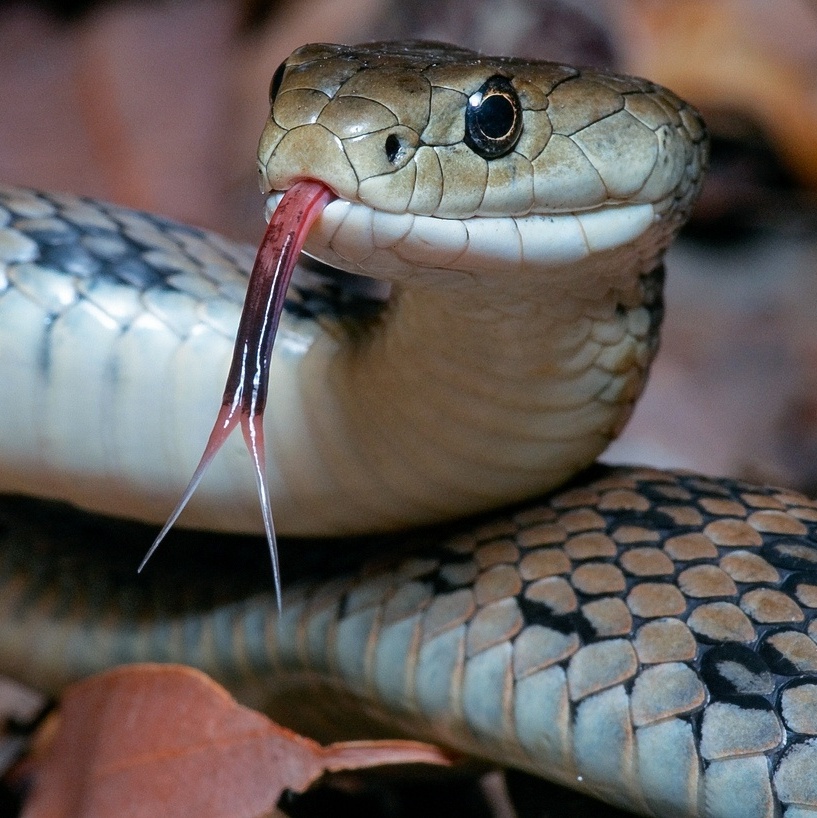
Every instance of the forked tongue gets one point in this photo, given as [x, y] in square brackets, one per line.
[245, 394]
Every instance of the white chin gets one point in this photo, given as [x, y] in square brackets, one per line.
[356, 238]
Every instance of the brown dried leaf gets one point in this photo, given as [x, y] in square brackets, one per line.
[147, 740]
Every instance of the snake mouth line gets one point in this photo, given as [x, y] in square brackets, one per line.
[359, 239]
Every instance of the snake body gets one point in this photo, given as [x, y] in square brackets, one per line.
[644, 636]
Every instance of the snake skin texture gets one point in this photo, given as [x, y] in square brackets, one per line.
[647, 637]
[644, 636]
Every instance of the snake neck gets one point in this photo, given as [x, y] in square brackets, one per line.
[511, 389]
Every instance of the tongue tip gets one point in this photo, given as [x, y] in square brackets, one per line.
[245, 392]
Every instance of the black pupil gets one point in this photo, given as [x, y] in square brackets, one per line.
[495, 116]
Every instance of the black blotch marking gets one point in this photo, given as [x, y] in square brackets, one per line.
[791, 554]
[777, 661]
[651, 518]
[794, 581]
[439, 583]
[136, 273]
[722, 686]
[800, 681]
[748, 702]
[320, 291]
[72, 259]
[537, 613]
[652, 285]
[275, 82]
[703, 488]
[48, 236]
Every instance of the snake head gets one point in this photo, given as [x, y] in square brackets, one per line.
[410, 135]
[430, 162]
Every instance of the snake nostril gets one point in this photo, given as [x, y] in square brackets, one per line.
[394, 148]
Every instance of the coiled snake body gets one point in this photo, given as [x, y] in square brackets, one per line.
[644, 636]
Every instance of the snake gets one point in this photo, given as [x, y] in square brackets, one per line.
[471, 323]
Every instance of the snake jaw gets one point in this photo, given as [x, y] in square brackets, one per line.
[520, 252]
[245, 393]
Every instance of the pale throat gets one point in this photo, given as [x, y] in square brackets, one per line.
[516, 331]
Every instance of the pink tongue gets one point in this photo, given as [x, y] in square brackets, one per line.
[245, 394]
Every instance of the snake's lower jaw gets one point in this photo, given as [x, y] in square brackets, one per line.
[513, 251]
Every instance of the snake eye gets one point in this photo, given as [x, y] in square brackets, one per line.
[275, 82]
[493, 118]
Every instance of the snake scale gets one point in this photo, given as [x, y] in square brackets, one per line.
[644, 636]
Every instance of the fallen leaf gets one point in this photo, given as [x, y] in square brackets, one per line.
[148, 740]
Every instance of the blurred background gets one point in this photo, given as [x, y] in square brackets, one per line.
[158, 105]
